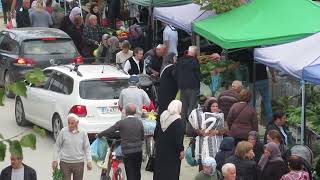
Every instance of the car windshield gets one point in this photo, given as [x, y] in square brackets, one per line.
[49, 47]
[102, 89]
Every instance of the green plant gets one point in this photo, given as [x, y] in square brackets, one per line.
[219, 6]
[57, 174]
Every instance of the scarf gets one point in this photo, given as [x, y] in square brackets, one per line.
[166, 119]
[275, 155]
[74, 12]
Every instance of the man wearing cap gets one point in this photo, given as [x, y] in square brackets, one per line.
[153, 60]
[72, 148]
[209, 171]
[134, 95]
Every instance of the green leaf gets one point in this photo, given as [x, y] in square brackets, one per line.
[29, 141]
[19, 88]
[15, 148]
[39, 131]
[3, 149]
[35, 76]
[2, 96]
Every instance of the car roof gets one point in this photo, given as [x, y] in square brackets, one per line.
[92, 72]
[23, 34]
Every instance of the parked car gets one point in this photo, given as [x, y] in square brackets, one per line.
[22, 49]
[89, 91]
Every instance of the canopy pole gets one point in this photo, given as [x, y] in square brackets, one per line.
[303, 121]
[193, 38]
[80, 6]
[198, 43]
[65, 7]
[254, 84]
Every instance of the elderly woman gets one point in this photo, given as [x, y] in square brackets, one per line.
[271, 163]
[169, 144]
[39, 17]
[253, 138]
[296, 169]
[242, 117]
[92, 34]
[124, 54]
[68, 20]
[209, 171]
[107, 49]
[247, 168]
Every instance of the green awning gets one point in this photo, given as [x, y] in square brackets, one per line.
[160, 3]
[261, 22]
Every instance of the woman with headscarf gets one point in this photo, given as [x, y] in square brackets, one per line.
[169, 144]
[253, 138]
[69, 20]
[39, 17]
[271, 163]
[167, 87]
[226, 150]
[75, 33]
[209, 171]
[94, 10]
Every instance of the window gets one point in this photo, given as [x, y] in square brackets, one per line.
[61, 83]
[44, 47]
[47, 75]
[102, 89]
[8, 44]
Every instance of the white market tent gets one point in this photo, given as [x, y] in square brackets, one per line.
[182, 16]
[300, 59]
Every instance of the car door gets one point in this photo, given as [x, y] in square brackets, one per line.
[31, 102]
[9, 49]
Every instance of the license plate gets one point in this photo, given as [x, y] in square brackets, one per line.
[105, 110]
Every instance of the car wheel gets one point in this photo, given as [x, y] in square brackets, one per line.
[19, 113]
[56, 126]
[7, 82]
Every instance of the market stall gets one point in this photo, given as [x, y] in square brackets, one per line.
[182, 16]
[160, 3]
[300, 59]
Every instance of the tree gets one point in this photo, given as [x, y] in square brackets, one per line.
[219, 6]
[28, 140]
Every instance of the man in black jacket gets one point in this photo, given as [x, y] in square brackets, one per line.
[22, 15]
[153, 60]
[188, 78]
[17, 170]
[132, 136]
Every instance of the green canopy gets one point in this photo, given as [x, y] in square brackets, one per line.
[261, 22]
[160, 3]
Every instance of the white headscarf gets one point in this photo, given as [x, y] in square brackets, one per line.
[171, 114]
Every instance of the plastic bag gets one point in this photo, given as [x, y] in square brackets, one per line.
[205, 90]
[215, 83]
[99, 149]
[189, 156]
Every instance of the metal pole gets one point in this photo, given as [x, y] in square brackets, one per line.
[254, 84]
[65, 7]
[80, 6]
[198, 43]
[303, 121]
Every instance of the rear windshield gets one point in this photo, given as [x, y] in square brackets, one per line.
[49, 47]
[101, 89]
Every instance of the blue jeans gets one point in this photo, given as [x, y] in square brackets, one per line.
[262, 87]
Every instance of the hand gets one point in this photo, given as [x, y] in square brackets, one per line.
[212, 133]
[54, 165]
[215, 57]
[89, 166]
[181, 155]
[96, 43]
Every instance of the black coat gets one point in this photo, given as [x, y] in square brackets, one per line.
[258, 151]
[188, 73]
[246, 169]
[274, 170]
[76, 35]
[29, 173]
[226, 151]
[272, 126]
[22, 18]
[168, 147]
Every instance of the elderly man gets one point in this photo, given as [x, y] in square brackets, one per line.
[135, 64]
[92, 35]
[188, 78]
[153, 60]
[17, 170]
[229, 171]
[132, 136]
[228, 97]
[134, 95]
[73, 149]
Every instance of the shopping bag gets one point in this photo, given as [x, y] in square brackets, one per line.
[151, 161]
[99, 149]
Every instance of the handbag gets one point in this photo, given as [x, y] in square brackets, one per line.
[151, 161]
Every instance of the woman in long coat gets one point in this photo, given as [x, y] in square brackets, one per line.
[168, 86]
[169, 145]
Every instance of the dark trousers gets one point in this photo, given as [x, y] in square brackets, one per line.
[132, 163]
[189, 99]
[5, 10]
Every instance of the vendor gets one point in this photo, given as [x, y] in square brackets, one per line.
[153, 60]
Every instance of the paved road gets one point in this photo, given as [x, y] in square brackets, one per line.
[40, 159]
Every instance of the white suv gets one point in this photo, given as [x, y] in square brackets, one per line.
[90, 91]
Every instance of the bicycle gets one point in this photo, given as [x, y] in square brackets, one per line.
[113, 163]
